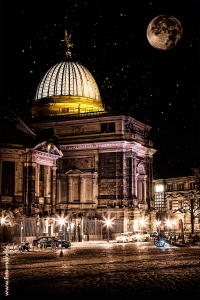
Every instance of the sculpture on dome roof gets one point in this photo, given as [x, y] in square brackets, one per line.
[68, 43]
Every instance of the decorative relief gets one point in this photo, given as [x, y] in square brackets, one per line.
[93, 145]
[77, 129]
[48, 147]
[131, 127]
[79, 163]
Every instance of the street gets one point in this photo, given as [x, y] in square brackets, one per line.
[104, 270]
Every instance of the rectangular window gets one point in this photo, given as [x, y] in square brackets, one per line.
[169, 187]
[159, 202]
[180, 186]
[180, 204]
[107, 127]
[170, 205]
[191, 185]
[8, 177]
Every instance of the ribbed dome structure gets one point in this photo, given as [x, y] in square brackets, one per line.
[67, 88]
[68, 79]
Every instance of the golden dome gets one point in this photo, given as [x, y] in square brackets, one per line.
[67, 88]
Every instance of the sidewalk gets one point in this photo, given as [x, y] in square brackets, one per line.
[87, 243]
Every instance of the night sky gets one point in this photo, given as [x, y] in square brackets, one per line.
[159, 88]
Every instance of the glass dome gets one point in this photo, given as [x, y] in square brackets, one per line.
[68, 79]
[67, 88]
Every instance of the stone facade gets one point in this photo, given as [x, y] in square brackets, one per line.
[106, 167]
[178, 199]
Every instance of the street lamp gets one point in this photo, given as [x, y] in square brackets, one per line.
[158, 223]
[21, 228]
[71, 230]
[142, 223]
[169, 225]
[108, 224]
[38, 226]
[101, 230]
[61, 222]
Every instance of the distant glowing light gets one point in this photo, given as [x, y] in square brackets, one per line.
[159, 188]
[158, 223]
[2, 220]
[168, 223]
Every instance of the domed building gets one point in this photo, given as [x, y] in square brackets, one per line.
[106, 167]
[88, 164]
[67, 88]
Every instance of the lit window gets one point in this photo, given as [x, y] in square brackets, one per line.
[159, 188]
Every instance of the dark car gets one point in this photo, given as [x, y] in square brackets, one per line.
[50, 241]
[153, 234]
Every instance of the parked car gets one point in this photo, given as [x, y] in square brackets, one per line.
[124, 238]
[48, 241]
[141, 236]
[153, 234]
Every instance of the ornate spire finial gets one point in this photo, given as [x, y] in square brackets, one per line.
[68, 43]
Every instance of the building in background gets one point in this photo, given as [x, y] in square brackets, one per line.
[178, 199]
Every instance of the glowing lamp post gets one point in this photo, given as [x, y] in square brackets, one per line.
[61, 222]
[71, 230]
[108, 224]
[158, 223]
[142, 223]
[169, 225]
[21, 228]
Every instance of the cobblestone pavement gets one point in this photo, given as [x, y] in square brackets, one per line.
[101, 270]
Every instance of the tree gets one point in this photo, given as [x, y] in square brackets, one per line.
[191, 205]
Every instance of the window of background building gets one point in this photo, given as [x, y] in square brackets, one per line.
[180, 186]
[170, 205]
[8, 177]
[169, 187]
[159, 202]
[191, 185]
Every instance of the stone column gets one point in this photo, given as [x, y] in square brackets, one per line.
[125, 219]
[37, 176]
[134, 177]
[53, 194]
[124, 175]
[58, 189]
[69, 189]
[139, 188]
[136, 217]
[153, 220]
[82, 189]
[47, 185]
[95, 187]
[145, 188]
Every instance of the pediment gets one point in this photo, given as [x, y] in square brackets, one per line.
[48, 147]
[74, 172]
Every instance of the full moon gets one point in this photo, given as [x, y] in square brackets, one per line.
[164, 32]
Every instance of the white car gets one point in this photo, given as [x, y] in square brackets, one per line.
[141, 236]
[124, 238]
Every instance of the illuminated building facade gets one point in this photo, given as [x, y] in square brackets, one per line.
[83, 161]
[179, 199]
